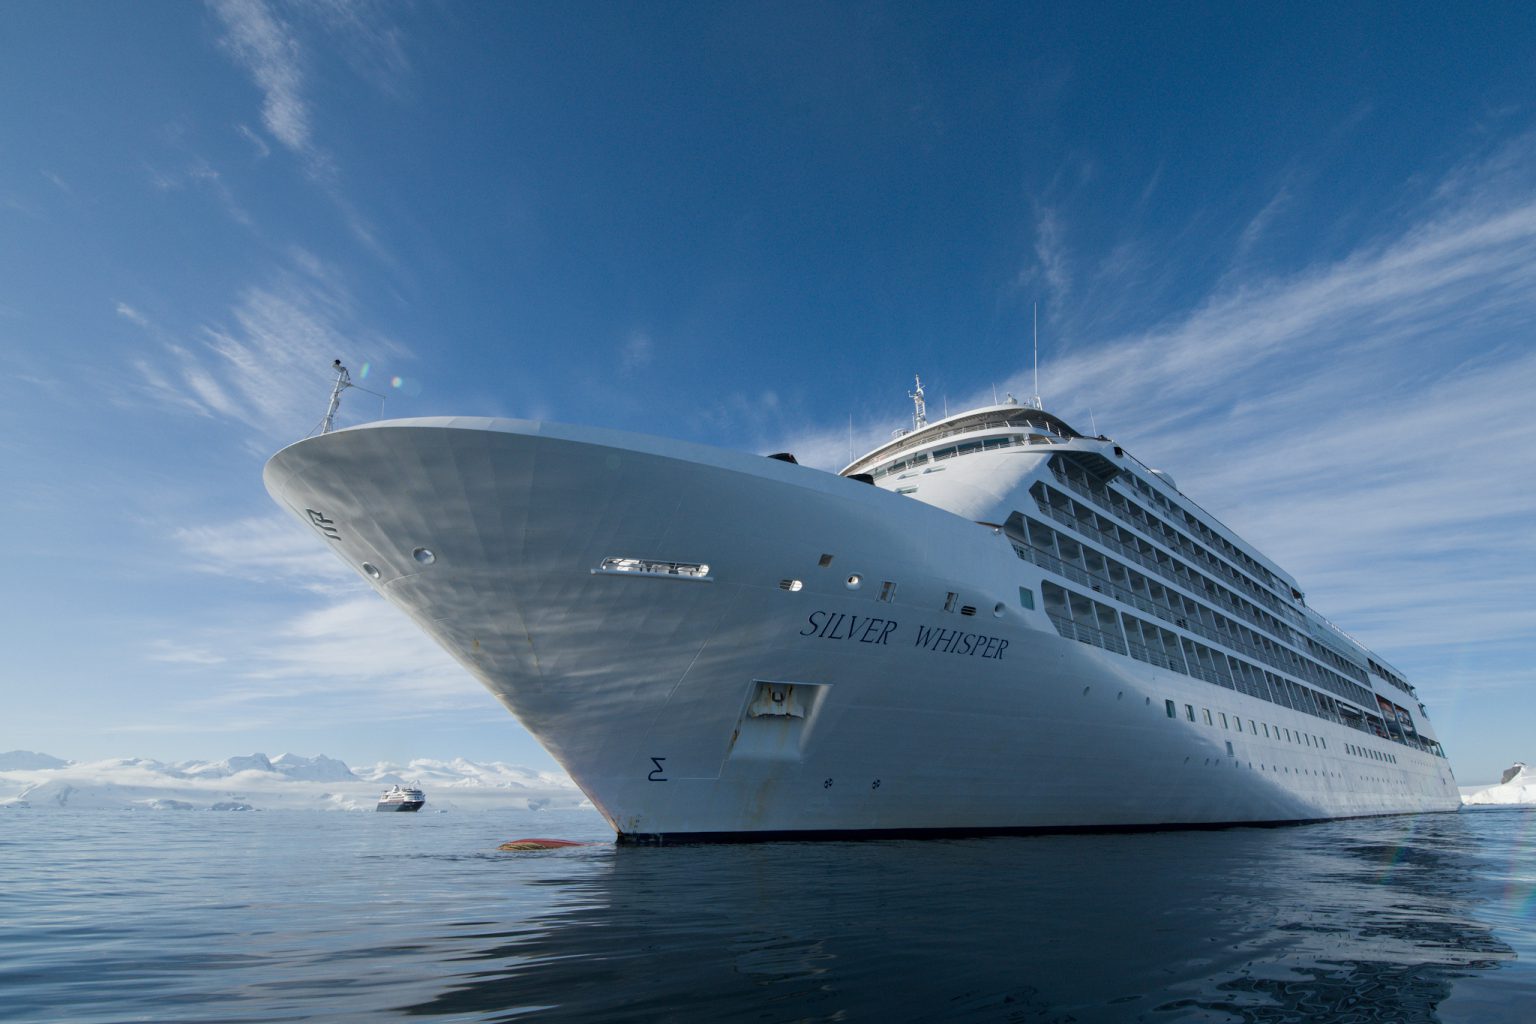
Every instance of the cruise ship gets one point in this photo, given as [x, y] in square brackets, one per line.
[990, 624]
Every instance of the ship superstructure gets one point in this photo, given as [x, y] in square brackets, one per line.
[1131, 565]
[991, 623]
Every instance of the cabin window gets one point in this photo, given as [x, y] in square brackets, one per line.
[1189, 712]
[1229, 748]
[1207, 716]
[1173, 711]
[1027, 598]
[887, 591]
[949, 601]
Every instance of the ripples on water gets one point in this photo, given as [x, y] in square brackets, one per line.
[315, 916]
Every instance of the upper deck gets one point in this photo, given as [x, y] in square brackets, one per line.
[992, 464]
[1009, 419]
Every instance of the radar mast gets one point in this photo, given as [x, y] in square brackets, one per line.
[1038, 404]
[919, 407]
[343, 381]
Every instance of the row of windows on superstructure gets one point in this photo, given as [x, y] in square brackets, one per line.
[1085, 519]
[1094, 622]
[1253, 603]
[1079, 617]
[1277, 733]
[963, 448]
[1378, 755]
[1075, 477]
[1390, 676]
[1081, 563]
[1236, 722]
[1213, 539]
[1164, 525]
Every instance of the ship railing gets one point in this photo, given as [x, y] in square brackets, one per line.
[1088, 634]
[1074, 630]
[1099, 584]
[1141, 652]
[1194, 552]
[1150, 564]
[1306, 670]
[918, 439]
[1210, 675]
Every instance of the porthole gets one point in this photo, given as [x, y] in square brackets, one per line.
[424, 556]
[854, 580]
[371, 569]
[998, 609]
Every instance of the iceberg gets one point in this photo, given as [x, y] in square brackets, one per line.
[1517, 786]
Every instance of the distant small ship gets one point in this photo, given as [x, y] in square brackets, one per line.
[402, 798]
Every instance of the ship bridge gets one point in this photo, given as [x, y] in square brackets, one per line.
[1014, 424]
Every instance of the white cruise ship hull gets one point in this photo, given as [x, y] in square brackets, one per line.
[734, 703]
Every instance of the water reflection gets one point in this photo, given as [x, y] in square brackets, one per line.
[1355, 921]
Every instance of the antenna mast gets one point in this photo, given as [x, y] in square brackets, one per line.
[919, 407]
[343, 381]
[1038, 403]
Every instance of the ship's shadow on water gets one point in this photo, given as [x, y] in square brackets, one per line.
[1351, 921]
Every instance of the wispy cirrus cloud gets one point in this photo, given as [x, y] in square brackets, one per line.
[1052, 263]
[370, 42]
[199, 174]
[132, 315]
[258, 144]
[271, 548]
[261, 42]
[271, 50]
[352, 659]
[266, 366]
[637, 351]
[1367, 422]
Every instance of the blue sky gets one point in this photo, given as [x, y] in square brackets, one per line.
[1286, 253]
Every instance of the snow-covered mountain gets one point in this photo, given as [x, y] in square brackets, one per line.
[1518, 786]
[257, 782]
[26, 760]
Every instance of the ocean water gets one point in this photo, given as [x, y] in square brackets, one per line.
[301, 916]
